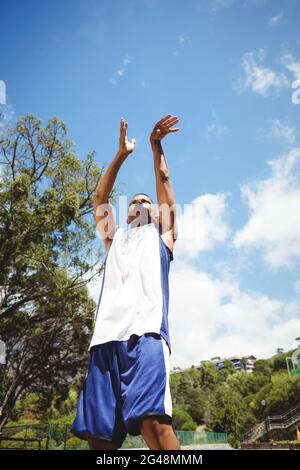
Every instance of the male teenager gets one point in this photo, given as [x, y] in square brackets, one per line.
[126, 388]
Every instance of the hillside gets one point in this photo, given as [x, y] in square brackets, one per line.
[232, 401]
[224, 400]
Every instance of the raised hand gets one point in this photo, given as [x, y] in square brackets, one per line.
[125, 146]
[163, 127]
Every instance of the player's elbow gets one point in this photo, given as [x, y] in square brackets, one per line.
[100, 197]
[164, 174]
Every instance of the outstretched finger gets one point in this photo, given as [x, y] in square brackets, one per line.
[163, 119]
[172, 121]
[123, 127]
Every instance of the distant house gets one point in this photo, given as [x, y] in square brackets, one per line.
[250, 363]
[218, 362]
[237, 362]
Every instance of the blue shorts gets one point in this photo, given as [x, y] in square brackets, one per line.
[125, 381]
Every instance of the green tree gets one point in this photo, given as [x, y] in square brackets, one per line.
[208, 374]
[280, 395]
[279, 361]
[47, 236]
[263, 367]
[247, 384]
[196, 403]
[284, 393]
[182, 421]
[226, 371]
[230, 413]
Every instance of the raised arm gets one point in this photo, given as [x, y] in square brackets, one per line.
[164, 188]
[103, 210]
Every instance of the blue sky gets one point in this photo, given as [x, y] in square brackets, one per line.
[226, 68]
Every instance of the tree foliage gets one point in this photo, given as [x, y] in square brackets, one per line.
[233, 401]
[47, 248]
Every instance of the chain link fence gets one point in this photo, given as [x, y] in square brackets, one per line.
[59, 437]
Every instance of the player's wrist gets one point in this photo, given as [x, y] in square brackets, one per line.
[155, 143]
[122, 155]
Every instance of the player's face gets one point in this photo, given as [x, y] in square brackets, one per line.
[142, 207]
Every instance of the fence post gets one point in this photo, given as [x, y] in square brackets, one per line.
[48, 437]
[26, 427]
[65, 436]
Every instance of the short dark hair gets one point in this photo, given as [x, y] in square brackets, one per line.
[144, 194]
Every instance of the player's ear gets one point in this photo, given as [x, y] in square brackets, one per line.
[155, 220]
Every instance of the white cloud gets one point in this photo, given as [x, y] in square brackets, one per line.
[276, 19]
[212, 317]
[2, 92]
[214, 129]
[182, 40]
[259, 78]
[7, 117]
[126, 60]
[282, 130]
[291, 63]
[297, 287]
[274, 222]
[144, 83]
[201, 225]
[121, 71]
[216, 5]
[7, 114]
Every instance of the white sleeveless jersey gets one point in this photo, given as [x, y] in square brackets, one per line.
[134, 294]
